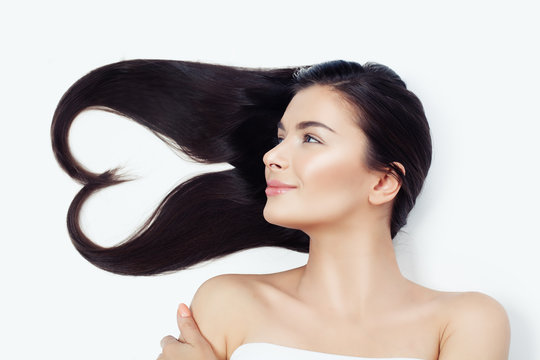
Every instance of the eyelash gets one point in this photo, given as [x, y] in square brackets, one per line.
[311, 137]
[306, 136]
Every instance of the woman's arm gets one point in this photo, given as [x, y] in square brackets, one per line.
[203, 334]
[478, 329]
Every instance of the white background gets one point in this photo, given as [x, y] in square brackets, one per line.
[474, 65]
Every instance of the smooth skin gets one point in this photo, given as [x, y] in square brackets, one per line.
[190, 344]
[350, 298]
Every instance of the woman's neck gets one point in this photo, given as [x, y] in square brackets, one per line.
[351, 272]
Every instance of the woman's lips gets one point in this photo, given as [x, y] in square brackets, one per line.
[271, 190]
[276, 187]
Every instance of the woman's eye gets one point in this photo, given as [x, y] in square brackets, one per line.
[308, 138]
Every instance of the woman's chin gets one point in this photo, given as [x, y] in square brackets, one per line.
[273, 220]
[280, 220]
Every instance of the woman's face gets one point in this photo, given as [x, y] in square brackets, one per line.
[321, 156]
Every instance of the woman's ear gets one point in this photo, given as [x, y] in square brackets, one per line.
[399, 165]
[387, 186]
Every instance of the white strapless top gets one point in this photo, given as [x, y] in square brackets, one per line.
[268, 351]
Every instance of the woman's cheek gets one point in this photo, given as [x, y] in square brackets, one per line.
[326, 173]
[330, 183]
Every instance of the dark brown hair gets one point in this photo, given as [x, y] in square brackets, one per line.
[216, 113]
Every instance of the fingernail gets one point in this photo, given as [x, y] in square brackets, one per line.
[184, 310]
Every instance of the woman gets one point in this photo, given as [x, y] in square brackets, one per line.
[345, 150]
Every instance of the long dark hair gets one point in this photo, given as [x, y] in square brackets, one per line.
[215, 113]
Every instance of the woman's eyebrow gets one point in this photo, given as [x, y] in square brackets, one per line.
[306, 124]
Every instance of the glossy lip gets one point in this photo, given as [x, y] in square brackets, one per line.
[276, 187]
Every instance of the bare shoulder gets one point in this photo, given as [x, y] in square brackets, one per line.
[215, 305]
[476, 327]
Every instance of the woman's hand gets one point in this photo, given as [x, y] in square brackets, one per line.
[191, 345]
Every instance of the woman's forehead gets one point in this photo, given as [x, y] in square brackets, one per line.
[319, 104]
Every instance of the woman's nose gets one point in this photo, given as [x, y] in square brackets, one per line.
[274, 158]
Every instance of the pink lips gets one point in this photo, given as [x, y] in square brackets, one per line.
[276, 187]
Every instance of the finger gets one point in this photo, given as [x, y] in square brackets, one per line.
[167, 340]
[189, 331]
[181, 310]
